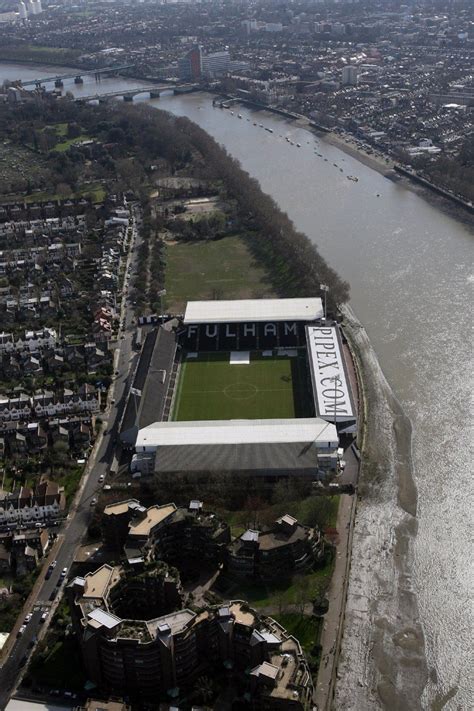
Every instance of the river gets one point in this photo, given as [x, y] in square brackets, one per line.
[410, 269]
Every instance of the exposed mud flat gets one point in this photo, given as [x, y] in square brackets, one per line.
[382, 663]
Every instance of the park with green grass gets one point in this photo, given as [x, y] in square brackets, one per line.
[210, 387]
[213, 269]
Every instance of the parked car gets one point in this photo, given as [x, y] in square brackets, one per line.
[28, 618]
[21, 630]
[44, 617]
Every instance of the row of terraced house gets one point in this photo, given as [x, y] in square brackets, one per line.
[26, 505]
[18, 439]
[46, 403]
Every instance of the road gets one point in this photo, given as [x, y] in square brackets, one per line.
[81, 511]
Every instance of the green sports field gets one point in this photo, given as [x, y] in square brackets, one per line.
[210, 388]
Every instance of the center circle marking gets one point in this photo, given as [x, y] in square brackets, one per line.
[240, 391]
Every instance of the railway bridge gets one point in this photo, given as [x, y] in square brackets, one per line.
[77, 76]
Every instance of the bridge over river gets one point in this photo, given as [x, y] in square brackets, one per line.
[128, 94]
[76, 75]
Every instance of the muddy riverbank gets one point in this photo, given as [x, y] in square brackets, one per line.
[382, 662]
[381, 166]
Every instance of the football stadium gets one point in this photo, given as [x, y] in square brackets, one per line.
[227, 386]
[254, 386]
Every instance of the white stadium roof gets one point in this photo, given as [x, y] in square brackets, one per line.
[252, 310]
[331, 386]
[224, 432]
[23, 705]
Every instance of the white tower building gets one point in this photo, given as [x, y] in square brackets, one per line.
[350, 75]
[22, 11]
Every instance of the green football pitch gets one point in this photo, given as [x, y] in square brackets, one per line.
[210, 388]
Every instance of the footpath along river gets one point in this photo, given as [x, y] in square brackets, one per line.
[409, 265]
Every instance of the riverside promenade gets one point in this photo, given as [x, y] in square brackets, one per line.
[334, 618]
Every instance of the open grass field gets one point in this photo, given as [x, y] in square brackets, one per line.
[218, 269]
[66, 144]
[210, 388]
[314, 510]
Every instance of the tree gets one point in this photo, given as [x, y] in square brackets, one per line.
[318, 511]
[302, 585]
[253, 505]
[281, 601]
[73, 130]
[116, 135]
[63, 190]
[204, 689]
[280, 492]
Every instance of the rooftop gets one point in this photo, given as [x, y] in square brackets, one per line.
[23, 705]
[331, 387]
[97, 583]
[101, 618]
[110, 705]
[154, 516]
[120, 507]
[245, 457]
[176, 622]
[253, 310]
[243, 617]
[224, 432]
[267, 670]
[269, 540]
[156, 359]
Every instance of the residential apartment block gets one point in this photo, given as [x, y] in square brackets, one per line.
[177, 535]
[165, 532]
[282, 549]
[145, 658]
